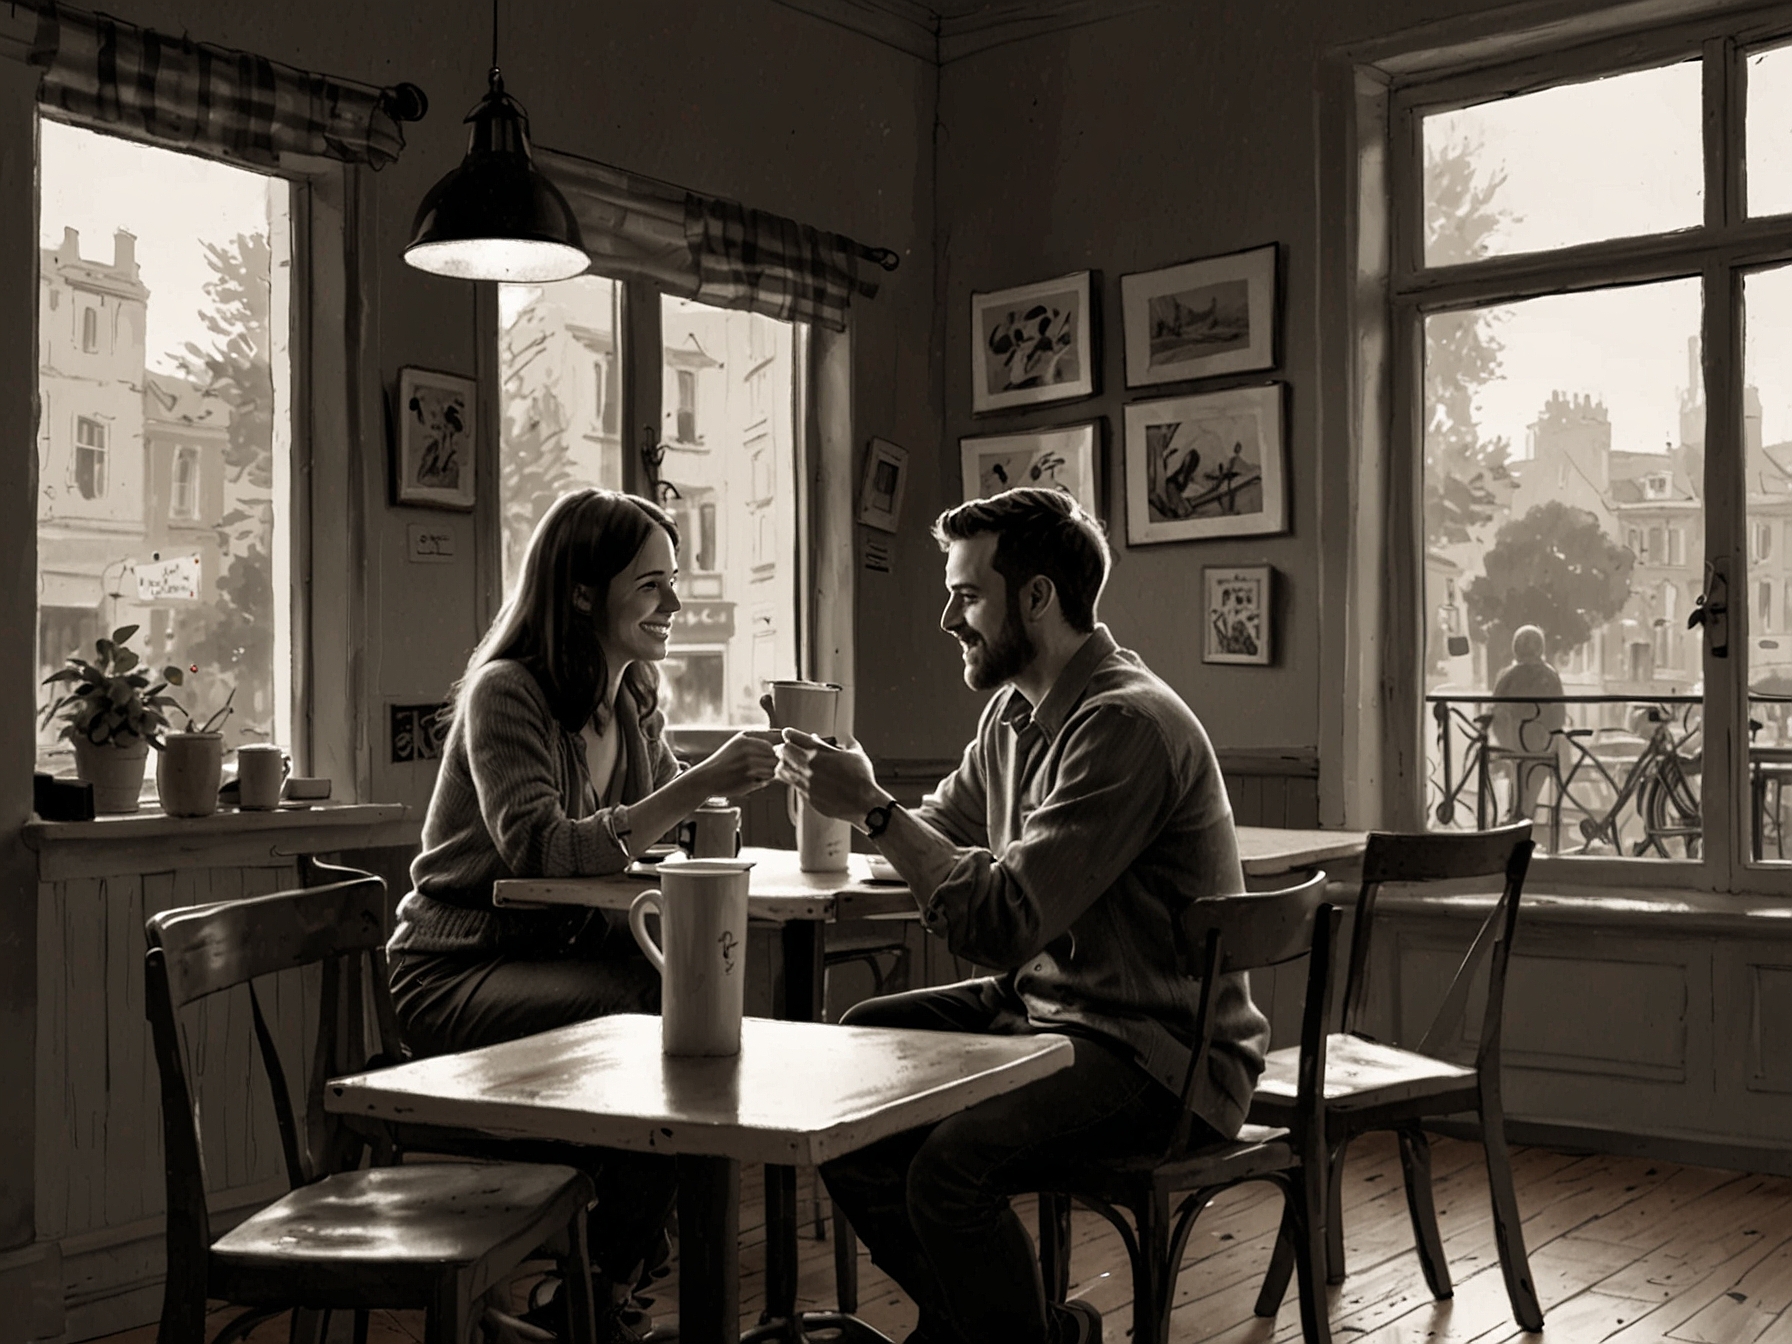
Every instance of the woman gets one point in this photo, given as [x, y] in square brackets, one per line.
[556, 765]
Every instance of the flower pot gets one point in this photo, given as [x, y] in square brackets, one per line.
[188, 769]
[116, 773]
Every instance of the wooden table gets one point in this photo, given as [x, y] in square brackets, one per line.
[1272, 851]
[802, 905]
[798, 1092]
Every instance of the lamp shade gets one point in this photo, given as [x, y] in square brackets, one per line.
[496, 217]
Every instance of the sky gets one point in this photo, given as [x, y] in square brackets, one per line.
[1613, 158]
[99, 184]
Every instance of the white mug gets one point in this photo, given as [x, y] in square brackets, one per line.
[711, 832]
[702, 906]
[822, 843]
[260, 770]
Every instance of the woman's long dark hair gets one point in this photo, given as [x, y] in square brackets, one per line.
[587, 537]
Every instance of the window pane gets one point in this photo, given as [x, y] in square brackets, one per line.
[728, 404]
[1564, 543]
[164, 431]
[1769, 131]
[559, 425]
[1767, 444]
[1613, 158]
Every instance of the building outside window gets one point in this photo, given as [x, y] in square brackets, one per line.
[162, 495]
[1603, 303]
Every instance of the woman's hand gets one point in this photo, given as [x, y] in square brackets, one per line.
[743, 763]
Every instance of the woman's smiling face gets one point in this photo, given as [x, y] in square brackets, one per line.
[640, 604]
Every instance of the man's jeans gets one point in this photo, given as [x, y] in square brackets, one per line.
[932, 1205]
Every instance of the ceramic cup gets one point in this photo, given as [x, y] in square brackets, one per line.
[822, 843]
[702, 953]
[260, 770]
[711, 832]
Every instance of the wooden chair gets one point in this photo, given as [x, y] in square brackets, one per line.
[1370, 1085]
[435, 1236]
[1220, 935]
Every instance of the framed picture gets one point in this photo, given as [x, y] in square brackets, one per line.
[1236, 625]
[1063, 458]
[1032, 344]
[1207, 465]
[436, 415]
[880, 490]
[1200, 318]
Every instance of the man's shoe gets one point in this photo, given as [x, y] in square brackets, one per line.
[1075, 1322]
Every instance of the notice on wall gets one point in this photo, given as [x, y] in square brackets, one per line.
[168, 580]
[429, 543]
[877, 555]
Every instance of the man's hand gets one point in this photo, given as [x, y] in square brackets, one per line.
[836, 781]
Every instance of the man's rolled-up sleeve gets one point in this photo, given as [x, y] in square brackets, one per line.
[1111, 796]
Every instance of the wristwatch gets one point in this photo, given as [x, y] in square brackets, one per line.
[877, 820]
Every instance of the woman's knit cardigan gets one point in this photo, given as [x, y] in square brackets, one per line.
[514, 799]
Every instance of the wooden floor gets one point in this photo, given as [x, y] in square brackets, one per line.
[1624, 1251]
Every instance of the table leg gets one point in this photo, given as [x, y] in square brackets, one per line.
[708, 1249]
[801, 1001]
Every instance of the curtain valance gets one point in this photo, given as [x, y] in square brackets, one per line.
[713, 250]
[193, 95]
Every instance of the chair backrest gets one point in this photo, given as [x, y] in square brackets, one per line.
[1441, 856]
[1222, 935]
[198, 951]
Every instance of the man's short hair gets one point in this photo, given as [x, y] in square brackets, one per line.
[1038, 531]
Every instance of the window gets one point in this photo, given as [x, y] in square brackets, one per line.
[735, 502]
[183, 493]
[1603, 314]
[193, 256]
[90, 458]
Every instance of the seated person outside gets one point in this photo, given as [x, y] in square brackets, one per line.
[1531, 729]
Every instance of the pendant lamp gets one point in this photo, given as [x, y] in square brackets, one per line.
[497, 217]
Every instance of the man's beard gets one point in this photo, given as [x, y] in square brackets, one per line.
[996, 661]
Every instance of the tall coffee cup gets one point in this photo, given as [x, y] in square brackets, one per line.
[260, 770]
[813, 707]
[702, 953]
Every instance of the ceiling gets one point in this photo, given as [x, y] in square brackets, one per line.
[943, 31]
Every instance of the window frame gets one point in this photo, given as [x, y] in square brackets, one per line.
[823, 430]
[1375, 292]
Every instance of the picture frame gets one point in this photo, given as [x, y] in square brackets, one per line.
[1201, 319]
[1064, 456]
[1033, 344]
[882, 485]
[1238, 612]
[1209, 464]
[435, 418]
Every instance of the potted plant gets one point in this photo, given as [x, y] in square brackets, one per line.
[191, 764]
[113, 713]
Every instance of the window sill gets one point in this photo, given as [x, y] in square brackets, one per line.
[149, 841]
[1670, 913]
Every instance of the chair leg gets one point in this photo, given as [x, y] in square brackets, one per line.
[1415, 1166]
[846, 1263]
[1334, 1215]
[575, 1282]
[449, 1319]
[1054, 1246]
[1281, 1264]
[361, 1322]
[1508, 1228]
[1150, 1304]
[309, 1326]
[1315, 1210]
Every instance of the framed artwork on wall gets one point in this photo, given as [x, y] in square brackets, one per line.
[1237, 625]
[435, 417]
[881, 488]
[1205, 465]
[1201, 318]
[1062, 457]
[1033, 344]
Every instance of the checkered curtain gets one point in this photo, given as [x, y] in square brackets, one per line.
[715, 251]
[193, 95]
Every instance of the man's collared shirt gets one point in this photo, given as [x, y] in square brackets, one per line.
[1086, 825]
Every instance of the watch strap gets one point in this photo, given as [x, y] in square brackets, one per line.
[877, 820]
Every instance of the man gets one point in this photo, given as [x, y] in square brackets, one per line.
[1527, 729]
[1084, 816]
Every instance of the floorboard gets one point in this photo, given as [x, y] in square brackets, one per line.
[1623, 1251]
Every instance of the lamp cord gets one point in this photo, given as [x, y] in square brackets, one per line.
[494, 34]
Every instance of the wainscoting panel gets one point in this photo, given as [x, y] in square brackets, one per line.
[1769, 1066]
